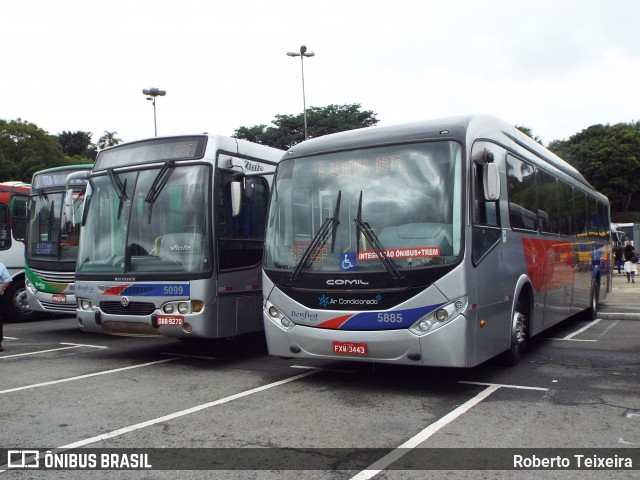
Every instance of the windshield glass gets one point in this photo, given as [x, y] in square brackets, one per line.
[53, 232]
[130, 230]
[401, 202]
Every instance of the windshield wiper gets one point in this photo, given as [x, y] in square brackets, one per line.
[319, 239]
[121, 188]
[158, 184]
[373, 239]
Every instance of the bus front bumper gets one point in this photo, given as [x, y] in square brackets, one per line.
[443, 347]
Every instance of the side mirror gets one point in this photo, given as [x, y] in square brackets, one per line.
[67, 209]
[236, 198]
[491, 182]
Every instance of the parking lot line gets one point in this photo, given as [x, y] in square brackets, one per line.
[88, 375]
[181, 413]
[379, 465]
[583, 329]
[44, 351]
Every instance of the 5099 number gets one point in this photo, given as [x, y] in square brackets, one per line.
[390, 318]
[173, 290]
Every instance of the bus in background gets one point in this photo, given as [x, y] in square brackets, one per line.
[163, 248]
[52, 238]
[13, 224]
[441, 243]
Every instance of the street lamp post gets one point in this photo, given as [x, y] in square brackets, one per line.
[303, 53]
[152, 93]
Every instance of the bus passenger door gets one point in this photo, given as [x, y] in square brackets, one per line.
[488, 274]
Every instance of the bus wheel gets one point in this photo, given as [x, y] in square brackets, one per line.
[594, 304]
[16, 305]
[519, 326]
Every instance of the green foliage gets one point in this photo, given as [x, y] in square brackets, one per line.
[288, 130]
[74, 143]
[109, 139]
[25, 149]
[609, 158]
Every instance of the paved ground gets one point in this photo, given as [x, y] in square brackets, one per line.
[623, 302]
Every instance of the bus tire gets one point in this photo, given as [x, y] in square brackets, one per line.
[594, 300]
[518, 335]
[16, 307]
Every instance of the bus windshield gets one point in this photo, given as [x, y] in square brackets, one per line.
[52, 232]
[136, 224]
[387, 208]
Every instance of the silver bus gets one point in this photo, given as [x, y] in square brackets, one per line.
[441, 243]
[53, 233]
[164, 250]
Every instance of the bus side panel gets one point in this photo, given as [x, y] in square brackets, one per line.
[582, 286]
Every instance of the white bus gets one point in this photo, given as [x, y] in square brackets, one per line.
[52, 238]
[441, 243]
[163, 251]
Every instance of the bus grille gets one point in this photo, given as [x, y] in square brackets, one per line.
[59, 307]
[56, 277]
[134, 308]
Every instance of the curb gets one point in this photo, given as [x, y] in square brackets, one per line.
[618, 316]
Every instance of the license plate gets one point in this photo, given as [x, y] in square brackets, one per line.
[59, 298]
[170, 320]
[350, 348]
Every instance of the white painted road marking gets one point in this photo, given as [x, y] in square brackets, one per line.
[72, 345]
[88, 375]
[378, 466]
[182, 413]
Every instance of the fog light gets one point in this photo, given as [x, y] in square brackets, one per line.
[187, 327]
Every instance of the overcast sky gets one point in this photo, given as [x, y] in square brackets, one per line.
[555, 66]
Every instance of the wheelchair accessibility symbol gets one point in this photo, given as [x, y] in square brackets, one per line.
[348, 261]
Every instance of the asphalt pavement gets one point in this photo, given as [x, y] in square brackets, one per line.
[623, 302]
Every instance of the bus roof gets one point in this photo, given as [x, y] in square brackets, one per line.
[462, 128]
[186, 147]
[15, 187]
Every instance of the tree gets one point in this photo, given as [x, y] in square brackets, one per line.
[109, 139]
[288, 130]
[609, 158]
[74, 143]
[25, 148]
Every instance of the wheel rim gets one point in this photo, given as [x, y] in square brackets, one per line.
[20, 302]
[519, 333]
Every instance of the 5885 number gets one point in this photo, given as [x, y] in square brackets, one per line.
[390, 318]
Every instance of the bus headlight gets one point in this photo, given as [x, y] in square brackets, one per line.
[441, 316]
[168, 308]
[277, 316]
[183, 308]
[31, 287]
[86, 304]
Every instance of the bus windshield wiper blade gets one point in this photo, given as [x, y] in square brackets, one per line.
[373, 239]
[158, 184]
[121, 188]
[319, 239]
